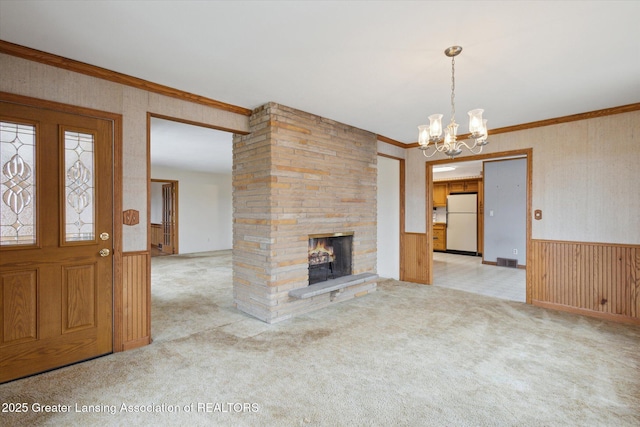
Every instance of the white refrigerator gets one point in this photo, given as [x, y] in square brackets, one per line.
[462, 222]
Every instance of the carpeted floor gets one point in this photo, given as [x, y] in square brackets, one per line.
[406, 355]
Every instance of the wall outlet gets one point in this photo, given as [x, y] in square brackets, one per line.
[515, 252]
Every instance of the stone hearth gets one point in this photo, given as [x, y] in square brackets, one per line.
[297, 175]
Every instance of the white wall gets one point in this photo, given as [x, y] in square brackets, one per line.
[156, 202]
[204, 209]
[415, 192]
[388, 218]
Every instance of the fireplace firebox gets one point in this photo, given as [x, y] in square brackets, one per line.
[330, 256]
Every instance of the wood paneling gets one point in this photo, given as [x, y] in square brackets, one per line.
[414, 258]
[156, 234]
[136, 304]
[18, 303]
[601, 280]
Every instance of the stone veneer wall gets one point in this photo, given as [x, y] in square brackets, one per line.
[297, 174]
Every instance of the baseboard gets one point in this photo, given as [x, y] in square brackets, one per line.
[520, 266]
[455, 252]
[140, 342]
[590, 313]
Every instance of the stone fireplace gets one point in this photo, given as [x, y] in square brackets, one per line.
[329, 256]
[296, 176]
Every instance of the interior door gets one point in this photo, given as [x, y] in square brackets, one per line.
[168, 218]
[56, 228]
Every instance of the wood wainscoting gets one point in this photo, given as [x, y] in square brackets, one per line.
[157, 235]
[414, 264]
[593, 279]
[136, 299]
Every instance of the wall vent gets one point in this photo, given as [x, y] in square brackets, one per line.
[507, 262]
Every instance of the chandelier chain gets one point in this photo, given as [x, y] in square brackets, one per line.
[453, 88]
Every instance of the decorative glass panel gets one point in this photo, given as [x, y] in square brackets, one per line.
[80, 186]
[17, 184]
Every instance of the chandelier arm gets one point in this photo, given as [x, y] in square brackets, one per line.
[424, 152]
[469, 147]
[479, 147]
[439, 145]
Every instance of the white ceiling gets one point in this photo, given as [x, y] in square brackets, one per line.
[183, 146]
[377, 65]
[462, 169]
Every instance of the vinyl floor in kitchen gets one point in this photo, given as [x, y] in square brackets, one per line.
[467, 273]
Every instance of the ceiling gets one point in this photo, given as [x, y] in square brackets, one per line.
[377, 65]
[462, 169]
[195, 148]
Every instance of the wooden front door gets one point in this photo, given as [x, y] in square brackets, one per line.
[56, 234]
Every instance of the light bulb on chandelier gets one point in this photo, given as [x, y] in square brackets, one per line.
[430, 136]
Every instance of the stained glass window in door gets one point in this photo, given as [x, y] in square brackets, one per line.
[79, 186]
[17, 184]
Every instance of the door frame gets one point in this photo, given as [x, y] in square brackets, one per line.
[523, 153]
[116, 120]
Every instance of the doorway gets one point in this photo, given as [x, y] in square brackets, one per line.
[190, 187]
[197, 160]
[57, 238]
[488, 279]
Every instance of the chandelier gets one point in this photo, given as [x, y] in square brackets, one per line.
[430, 136]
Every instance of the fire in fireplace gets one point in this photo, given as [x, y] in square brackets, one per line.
[329, 256]
[321, 253]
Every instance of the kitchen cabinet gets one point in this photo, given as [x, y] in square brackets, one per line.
[471, 186]
[439, 237]
[465, 186]
[440, 193]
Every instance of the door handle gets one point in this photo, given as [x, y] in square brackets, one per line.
[104, 252]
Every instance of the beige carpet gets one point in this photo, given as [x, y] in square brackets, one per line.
[407, 355]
